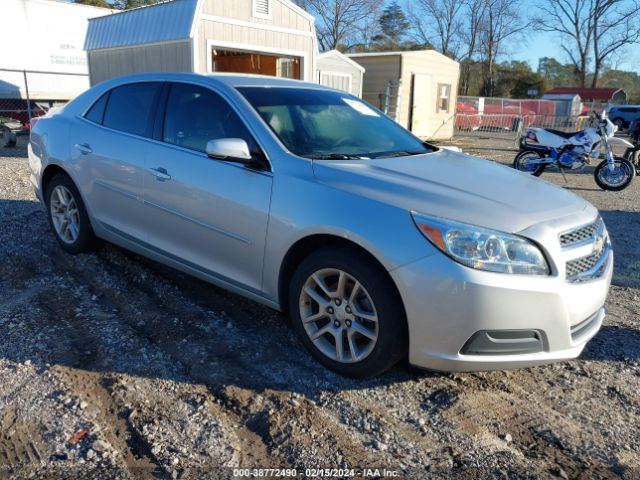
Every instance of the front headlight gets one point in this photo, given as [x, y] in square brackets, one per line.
[481, 248]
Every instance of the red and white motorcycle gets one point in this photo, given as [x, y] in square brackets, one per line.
[542, 147]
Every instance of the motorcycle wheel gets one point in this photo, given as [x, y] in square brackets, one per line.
[522, 162]
[617, 180]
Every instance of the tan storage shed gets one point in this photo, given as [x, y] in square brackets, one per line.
[417, 88]
[338, 71]
[268, 37]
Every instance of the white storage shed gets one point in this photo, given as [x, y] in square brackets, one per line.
[267, 37]
[417, 88]
[338, 71]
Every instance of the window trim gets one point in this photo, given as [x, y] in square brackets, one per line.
[266, 16]
[160, 116]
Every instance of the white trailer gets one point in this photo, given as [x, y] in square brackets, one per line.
[44, 36]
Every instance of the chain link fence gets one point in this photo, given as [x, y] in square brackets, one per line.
[29, 94]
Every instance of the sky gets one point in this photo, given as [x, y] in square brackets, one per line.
[545, 44]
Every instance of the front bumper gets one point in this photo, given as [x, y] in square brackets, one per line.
[447, 303]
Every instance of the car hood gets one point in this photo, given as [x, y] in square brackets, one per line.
[454, 186]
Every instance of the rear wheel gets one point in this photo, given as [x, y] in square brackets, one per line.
[347, 313]
[618, 122]
[528, 161]
[617, 179]
[68, 217]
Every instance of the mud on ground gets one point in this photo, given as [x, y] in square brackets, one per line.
[113, 366]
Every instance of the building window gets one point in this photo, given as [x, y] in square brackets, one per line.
[444, 92]
[262, 8]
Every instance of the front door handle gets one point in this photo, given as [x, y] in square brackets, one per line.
[161, 174]
[84, 148]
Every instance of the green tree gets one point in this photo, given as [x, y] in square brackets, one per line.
[628, 81]
[558, 74]
[516, 80]
[94, 3]
[394, 26]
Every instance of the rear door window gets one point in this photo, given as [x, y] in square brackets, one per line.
[132, 107]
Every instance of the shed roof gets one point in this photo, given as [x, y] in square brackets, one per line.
[587, 93]
[341, 56]
[417, 53]
[161, 22]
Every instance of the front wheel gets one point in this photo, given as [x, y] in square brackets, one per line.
[528, 161]
[616, 180]
[347, 312]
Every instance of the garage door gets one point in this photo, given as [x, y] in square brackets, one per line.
[238, 61]
[339, 81]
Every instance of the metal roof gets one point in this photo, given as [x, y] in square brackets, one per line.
[342, 57]
[161, 22]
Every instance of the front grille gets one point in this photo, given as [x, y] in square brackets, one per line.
[580, 235]
[590, 266]
[582, 265]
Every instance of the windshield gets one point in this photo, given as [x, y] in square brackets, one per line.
[329, 124]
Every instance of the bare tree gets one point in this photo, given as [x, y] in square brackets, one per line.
[444, 18]
[615, 26]
[470, 36]
[340, 23]
[595, 29]
[573, 20]
[502, 21]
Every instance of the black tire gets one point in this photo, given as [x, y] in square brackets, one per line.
[618, 122]
[628, 174]
[392, 337]
[520, 165]
[86, 240]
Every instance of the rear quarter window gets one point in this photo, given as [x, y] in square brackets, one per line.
[96, 112]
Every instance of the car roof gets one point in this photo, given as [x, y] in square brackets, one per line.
[615, 107]
[220, 80]
[230, 79]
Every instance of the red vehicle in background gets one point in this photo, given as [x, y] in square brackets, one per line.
[14, 113]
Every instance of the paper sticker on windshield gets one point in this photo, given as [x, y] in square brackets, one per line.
[360, 107]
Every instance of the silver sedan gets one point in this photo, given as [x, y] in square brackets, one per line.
[311, 201]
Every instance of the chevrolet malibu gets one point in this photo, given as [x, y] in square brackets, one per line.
[313, 202]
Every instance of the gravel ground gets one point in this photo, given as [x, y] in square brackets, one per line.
[113, 366]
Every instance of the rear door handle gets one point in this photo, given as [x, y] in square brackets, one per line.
[84, 148]
[161, 174]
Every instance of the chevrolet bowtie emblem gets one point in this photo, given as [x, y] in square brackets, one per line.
[598, 243]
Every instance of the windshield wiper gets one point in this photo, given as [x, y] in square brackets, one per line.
[401, 154]
[335, 156]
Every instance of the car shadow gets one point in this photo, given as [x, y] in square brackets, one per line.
[614, 343]
[624, 228]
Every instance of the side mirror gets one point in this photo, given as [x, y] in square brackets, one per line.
[230, 149]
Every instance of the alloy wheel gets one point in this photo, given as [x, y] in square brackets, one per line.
[64, 214]
[338, 315]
